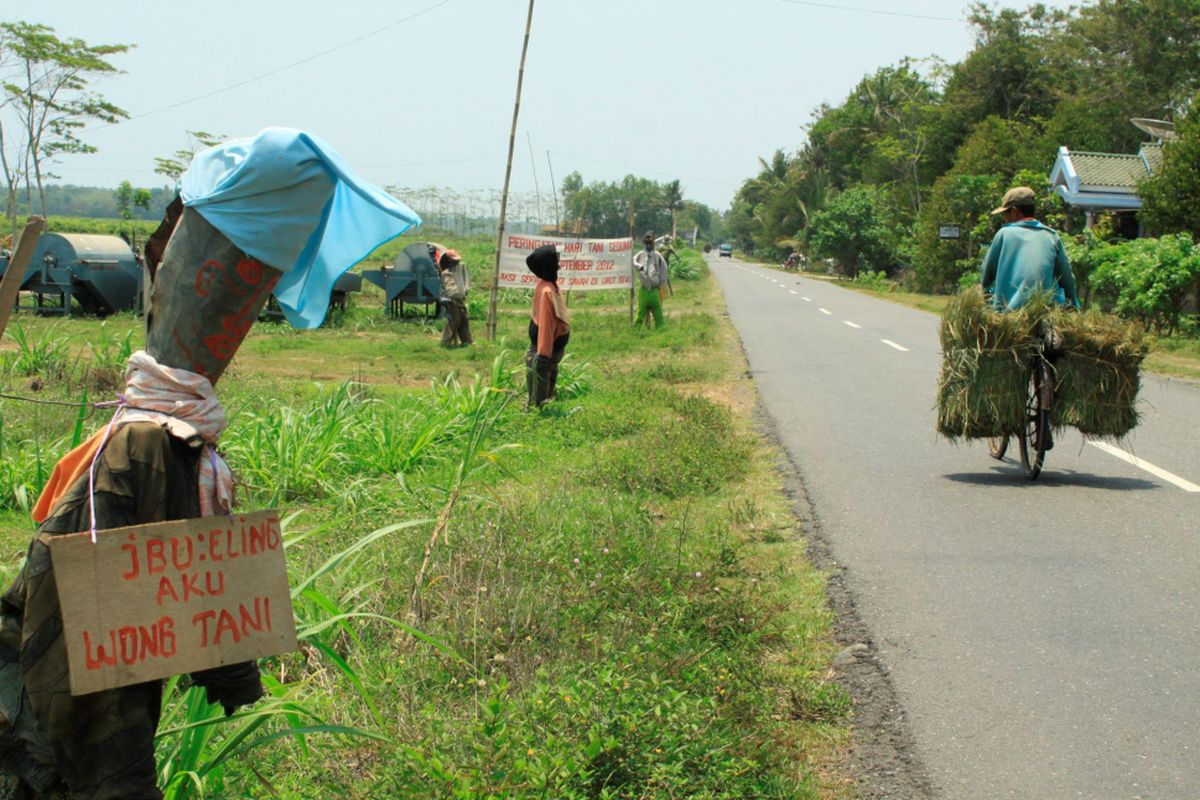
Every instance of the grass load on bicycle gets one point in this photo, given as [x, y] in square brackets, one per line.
[998, 380]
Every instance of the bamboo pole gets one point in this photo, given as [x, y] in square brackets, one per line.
[554, 192]
[14, 274]
[632, 274]
[512, 142]
[537, 191]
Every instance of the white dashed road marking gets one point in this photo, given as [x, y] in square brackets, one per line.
[793, 291]
[826, 311]
[806, 299]
[1158, 472]
[895, 346]
[851, 324]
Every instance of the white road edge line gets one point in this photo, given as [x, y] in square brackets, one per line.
[851, 324]
[826, 311]
[1158, 472]
[892, 344]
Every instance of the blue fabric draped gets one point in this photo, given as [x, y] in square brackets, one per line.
[288, 199]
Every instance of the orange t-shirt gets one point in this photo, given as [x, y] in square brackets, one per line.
[549, 313]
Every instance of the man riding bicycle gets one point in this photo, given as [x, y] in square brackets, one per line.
[1026, 257]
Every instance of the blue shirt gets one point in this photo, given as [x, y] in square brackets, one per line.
[1026, 258]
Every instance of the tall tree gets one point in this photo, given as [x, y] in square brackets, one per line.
[174, 166]
[1171, 199]
[673, 200]
[48, 88]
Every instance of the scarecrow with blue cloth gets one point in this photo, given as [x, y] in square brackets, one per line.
[279, 213]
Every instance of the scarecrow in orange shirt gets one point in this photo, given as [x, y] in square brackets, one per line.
[549, 326]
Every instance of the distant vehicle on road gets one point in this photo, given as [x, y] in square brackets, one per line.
[725, 251]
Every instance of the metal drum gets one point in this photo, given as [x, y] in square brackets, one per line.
[413, 278]
[99, 272]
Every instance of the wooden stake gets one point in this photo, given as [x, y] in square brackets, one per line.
[632, 274]
[14, 275]
[512, 141]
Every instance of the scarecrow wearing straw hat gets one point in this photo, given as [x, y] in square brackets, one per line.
[654, 278]
[1025, 257]
[255, 219]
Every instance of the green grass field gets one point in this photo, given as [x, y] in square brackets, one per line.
[607, 598]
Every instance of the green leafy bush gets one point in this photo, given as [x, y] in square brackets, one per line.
[1146, 279]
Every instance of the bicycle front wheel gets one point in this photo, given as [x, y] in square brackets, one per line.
[1036, 435]
[997, 446]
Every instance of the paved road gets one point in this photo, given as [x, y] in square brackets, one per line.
[1043, 637]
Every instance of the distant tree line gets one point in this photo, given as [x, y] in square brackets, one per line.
[924, 143]
[612, 209]
[69, 200]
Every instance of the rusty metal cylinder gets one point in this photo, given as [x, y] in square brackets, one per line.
[207, 294]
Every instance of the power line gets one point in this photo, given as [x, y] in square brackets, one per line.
[284, 68]
[873, 11]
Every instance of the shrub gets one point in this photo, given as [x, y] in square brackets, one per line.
[1147, 279]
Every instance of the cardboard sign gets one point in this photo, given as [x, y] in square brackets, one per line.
[150, 601]
[583, 264]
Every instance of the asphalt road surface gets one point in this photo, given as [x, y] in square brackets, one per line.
[1042, 636]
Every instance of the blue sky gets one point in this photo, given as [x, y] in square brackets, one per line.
[688, 89]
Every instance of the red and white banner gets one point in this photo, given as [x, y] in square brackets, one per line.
[584, 264]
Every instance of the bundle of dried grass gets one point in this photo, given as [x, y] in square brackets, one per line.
[1097, 379]
[985, 367]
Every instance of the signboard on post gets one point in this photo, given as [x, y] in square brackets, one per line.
[948, 231]
[150, 601]
[584, 264]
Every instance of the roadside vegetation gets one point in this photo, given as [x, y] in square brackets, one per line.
[922, 148]
[606, 598]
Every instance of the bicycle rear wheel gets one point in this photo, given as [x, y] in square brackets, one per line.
[1036, 435]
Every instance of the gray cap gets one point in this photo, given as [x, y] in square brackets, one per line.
[1016, 196]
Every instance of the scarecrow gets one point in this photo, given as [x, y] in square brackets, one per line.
[280, 213]
[549, 326]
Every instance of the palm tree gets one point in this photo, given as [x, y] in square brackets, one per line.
[673, 200]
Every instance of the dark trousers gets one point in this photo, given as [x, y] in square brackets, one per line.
[541, 372]
[458, 324]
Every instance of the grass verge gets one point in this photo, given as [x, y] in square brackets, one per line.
[612, 602]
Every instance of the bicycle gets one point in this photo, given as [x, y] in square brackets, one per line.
[1034, 437]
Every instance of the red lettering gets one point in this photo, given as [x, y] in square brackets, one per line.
[214, 538]
[165, 588]
[101, 658]
[249, 622]
[226, 623]
[219, 589]
[166, 636]
[203, 617]
[273, 534]
[129, 643]
[133, 558]
[175, 553]
[156, 556]
[190, 587]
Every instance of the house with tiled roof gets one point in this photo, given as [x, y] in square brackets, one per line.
[1098, 182]
[1107, 182]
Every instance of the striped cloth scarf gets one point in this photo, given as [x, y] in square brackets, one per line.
[180, 401]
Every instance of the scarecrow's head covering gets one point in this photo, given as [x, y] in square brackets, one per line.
[279, 213]
[543, 262]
